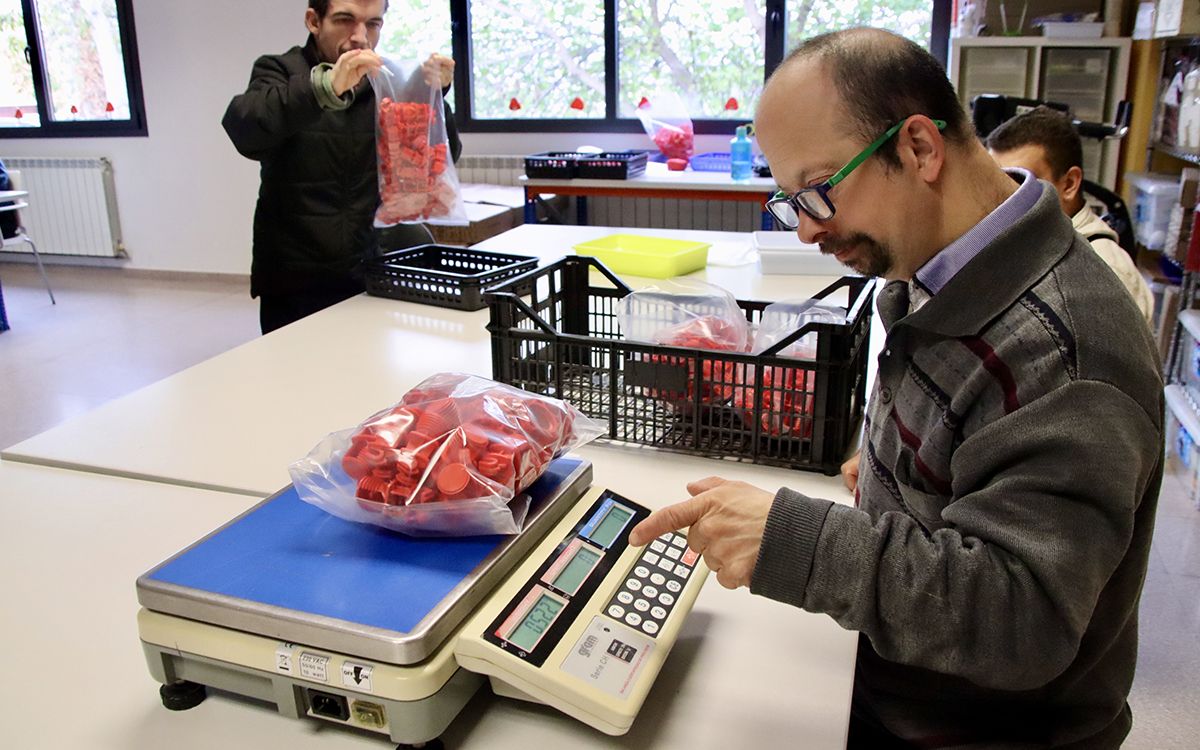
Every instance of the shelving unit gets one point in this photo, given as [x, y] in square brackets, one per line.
[1088, 75]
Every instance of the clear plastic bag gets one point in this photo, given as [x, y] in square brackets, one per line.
[447, 460]
[417, 179]
[788, 393]
[665, 119]
[693, 314]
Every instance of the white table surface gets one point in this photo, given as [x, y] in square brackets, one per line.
[8, 195]
[235, 422]
[746, 672]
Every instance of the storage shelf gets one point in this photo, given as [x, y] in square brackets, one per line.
[1181, 406]
[1190, 320]
[1192, 157]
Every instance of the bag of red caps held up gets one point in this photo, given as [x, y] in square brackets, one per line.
[417, 179]
[447, 460]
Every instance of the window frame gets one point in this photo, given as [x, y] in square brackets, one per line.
[773, 54]
[135, 126]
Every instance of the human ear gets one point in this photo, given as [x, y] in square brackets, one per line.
[311, 21]
[921, 145]
[1071, 183]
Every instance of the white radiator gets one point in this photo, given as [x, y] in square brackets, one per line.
[654, 213]
[72, 206]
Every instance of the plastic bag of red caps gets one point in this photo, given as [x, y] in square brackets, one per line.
[417, 179]
[448, 460]
[665, 119]
[693, 314]
[788, 393]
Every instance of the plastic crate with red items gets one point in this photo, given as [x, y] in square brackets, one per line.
[447, 460]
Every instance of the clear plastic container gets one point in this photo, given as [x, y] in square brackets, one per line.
[1154, 195]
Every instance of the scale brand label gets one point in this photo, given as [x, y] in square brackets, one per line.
[609, 657]
[356, 676]
[314, 667]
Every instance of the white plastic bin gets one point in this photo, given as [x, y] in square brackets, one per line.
[1153, 197]
[784, 253]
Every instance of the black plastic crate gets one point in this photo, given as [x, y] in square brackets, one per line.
[440, 275]
[559, 165]
[612, 165]
[555, 331]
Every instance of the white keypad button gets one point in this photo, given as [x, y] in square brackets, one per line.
[666, 599]
[673, 587]
[650, 626]
[627, 598]
[674, 553]
[680, 570]
[658, 613]
[641, 571]
[657, 546]
[649, 592]
[658, 579]
[633, 618]
[633, 584]
[679, 541]
[665, 537]
[667, 565]
[641, 605]
[651, 558]
[616, 611]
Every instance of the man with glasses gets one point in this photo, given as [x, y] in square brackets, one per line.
[1012, 450]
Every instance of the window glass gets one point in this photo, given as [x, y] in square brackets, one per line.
[16, 85]
[537, 59]
[85, 66]
[709, 53]
[912, 19]
[414, 29]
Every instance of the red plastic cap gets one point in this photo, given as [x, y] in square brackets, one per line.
[677, 165]
[453, 479]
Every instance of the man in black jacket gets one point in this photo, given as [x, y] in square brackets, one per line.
[308, 116]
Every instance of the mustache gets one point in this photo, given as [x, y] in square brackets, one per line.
[832, 246]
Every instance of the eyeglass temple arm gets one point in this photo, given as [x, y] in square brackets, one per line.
[875, 144]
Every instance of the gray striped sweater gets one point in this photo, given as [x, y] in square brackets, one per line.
[1011, 465]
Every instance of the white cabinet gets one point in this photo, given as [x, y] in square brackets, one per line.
[1088, 75]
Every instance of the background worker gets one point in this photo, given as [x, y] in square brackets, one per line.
[1045, 142]
[993, 574]
[308, 116]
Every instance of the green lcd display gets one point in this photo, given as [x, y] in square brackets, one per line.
[526, 634]
[572, 575]
[612, 523]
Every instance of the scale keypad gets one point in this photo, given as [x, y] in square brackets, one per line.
[646, 597]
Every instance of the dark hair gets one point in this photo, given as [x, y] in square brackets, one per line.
[881, 81]
[322, 7]
[1045, 127]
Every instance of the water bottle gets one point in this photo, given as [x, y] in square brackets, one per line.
[740, 155]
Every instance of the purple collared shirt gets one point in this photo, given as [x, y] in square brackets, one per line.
[938, 270]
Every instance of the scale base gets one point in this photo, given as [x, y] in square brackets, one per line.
[417, 723]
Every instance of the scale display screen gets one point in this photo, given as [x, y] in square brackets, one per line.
[610, 524]
[526, 633]
[576, 571]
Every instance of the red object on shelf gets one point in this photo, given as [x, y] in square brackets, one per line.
[577, 103]
[108, 107]
[677, 165]
[643, 103]
[731, 104]
[74, 110]
[676, 141]
[18, 114]
[513, 104]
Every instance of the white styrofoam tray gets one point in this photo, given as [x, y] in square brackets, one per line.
[784, 253]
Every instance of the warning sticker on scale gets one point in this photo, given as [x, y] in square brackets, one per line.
[356, 676]
[283, 658]
[608, 657]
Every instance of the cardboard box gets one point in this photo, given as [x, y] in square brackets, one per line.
[486, 221]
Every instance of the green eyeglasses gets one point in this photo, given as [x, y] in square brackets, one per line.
[814, 200]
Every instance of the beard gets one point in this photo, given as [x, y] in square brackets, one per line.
[870, 258]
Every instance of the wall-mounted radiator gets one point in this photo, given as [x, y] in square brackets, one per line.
[72, 206]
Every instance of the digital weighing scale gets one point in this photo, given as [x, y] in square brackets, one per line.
[363, 627]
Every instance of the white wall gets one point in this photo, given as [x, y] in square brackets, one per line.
[185, 196]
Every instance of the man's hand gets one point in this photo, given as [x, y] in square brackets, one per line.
[350, 68]
[850, 471]
[727, 520]
[438, 70]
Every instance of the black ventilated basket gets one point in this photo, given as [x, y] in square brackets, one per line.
[612, 165]
[561, 165]
[439, 275]
[555, 331]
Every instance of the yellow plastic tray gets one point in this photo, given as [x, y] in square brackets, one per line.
[656, 257]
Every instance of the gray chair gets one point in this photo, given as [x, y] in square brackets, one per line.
[20, 236]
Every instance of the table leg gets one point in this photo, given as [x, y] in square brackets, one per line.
[530, 207]
[581, 212]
